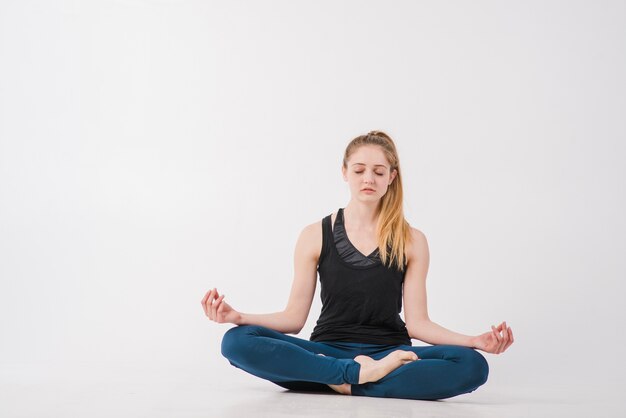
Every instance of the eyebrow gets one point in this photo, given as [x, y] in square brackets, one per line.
[375, 165]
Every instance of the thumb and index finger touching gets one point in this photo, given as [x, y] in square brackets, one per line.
[209, 299]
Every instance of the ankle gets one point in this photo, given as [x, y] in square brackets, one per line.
[344, 389]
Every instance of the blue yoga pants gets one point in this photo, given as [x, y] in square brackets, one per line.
[442, 371]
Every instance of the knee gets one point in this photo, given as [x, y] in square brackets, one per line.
[477, 368]
[235, 340]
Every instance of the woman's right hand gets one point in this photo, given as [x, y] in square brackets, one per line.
[219, 311]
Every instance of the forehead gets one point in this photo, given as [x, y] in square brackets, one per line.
[369, 155]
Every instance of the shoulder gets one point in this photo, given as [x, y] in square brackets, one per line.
[314, 230]
[311, 231]
[417, 247]
[310, 239]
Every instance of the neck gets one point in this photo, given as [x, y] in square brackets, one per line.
[361, 215]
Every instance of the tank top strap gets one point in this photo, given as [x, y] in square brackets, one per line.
[327, 235]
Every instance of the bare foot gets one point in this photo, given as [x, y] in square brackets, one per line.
[344, 389]
[374, 370]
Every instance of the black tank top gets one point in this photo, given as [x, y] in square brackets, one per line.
[361, 297]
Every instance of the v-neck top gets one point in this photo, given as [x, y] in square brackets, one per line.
[347, 250]
[361, 302]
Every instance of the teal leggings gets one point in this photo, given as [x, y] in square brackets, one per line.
[442, 371]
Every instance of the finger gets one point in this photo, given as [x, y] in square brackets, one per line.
[206, 296]
[497, 338]
[219, 315]
[203, 301]
[216, 295]
[215, 306]
[220, 309]
[492, 345]
[209, 301]
[495, 333]
[498, 342]
[206, 302]
[508, 344]
[505, 337]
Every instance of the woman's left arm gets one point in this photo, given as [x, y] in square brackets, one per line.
[419, 325]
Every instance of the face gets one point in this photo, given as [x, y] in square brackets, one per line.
[368, 168]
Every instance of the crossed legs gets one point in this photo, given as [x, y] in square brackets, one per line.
[442, 371]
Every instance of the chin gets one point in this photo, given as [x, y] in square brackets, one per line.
[369, 198]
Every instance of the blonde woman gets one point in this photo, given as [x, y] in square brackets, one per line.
[370, 261]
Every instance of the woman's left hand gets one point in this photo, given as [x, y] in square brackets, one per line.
[493, 342]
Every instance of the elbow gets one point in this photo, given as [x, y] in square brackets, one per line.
[293, 321]
[414, 328]
[298, 328]
[294, 331]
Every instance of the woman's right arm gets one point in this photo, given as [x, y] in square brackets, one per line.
[292, 319]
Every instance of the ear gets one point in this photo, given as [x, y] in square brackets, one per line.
[394, 173]
[343, 172]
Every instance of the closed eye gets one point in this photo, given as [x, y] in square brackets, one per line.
[378, 174]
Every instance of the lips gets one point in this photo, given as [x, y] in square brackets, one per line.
[367, 189]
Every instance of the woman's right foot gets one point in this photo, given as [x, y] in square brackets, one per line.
[374, 370]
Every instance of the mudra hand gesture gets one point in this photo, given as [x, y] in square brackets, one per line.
[217, 310]
[492, 341]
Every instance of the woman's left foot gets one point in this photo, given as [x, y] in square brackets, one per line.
[344, 389]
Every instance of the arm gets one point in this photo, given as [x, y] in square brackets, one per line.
[417, 321]
[293, 317]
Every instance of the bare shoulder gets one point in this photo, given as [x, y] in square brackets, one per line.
[311, 231]
[417, 247]
[311, 237]
[310, 241]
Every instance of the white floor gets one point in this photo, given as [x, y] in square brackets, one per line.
[102, 390]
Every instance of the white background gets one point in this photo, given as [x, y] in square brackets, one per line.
[151, 150]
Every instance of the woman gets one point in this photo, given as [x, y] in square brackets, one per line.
[369, 260]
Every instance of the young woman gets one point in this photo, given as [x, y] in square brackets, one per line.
[369, 260]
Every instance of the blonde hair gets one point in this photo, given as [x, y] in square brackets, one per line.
[392, 230]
